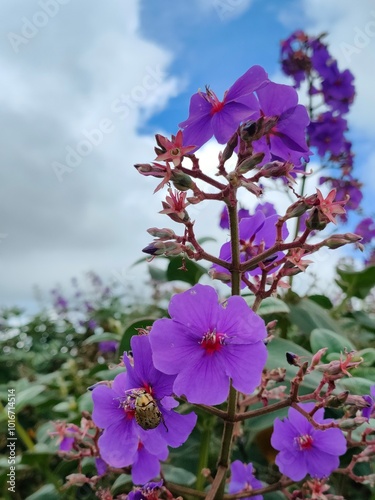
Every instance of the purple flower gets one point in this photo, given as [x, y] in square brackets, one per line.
[370, 398]
[101, 466]
[305, 450]
[294, 60]
[148, 491]
[108, 346]
[286, 139]
[123, 441]
[242, 479]
[208, 116]
[338, 89]
[206, 344]
[327, 134]
[224, 216]
[366, 229]
[266, 208]
[257, 234]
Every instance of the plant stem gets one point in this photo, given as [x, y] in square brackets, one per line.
[217, 490]
[203, 452]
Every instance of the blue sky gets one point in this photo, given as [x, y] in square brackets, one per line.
[117, 73]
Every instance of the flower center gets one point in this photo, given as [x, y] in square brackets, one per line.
[304, 442]
[212, 98]
[212, 342]
[175, 152]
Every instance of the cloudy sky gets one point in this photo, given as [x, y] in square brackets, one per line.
[86, 84]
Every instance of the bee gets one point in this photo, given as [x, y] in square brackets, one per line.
[147, 414]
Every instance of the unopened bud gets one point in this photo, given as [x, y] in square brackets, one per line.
[217, 275]
[318, 356]
[249, 163]
[316, 221]
[357, 401]
[160, 247]
[249, 130]
[338, 240]
[352, 423]
[297, 209]
[181, 181]
[253, 188]
[229, 148]
[292, 358]
[143, 168]
[335, 401]
[163, 234]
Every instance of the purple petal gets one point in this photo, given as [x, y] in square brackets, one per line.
[239, 323]
[239, 476]
[331, 441]
[250, 226]
[204, 382]
[292, 464]
[197, 131]
[144, 373]
[172, 342]
[283, 434]
[118, 444]
[177, 427]
[320, 464]
[275, 98]
[197, 308]
[66, 444]
[107, 408]
[145, 467]
[226, 121]
[250, 81]
[244, 364]
[301, 423]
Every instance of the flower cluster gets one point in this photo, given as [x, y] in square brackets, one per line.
[308, 58]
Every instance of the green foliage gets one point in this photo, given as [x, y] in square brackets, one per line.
[51, 359]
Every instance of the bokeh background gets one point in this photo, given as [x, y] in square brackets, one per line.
[86, 84]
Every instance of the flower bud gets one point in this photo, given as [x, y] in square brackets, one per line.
[292, 358]
[335, 401]
[163, 234]
[229, 148]
[297, 209]
[249, 163]
[316, 221]
[217, 275]
[318, 356]
[352, 423]
[253, 188]
[338, 240]
[181, 181]
[358, 401]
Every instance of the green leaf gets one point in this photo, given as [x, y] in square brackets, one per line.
[26, 397]
[191, 275]
[308, 315]
[130, 330]
[364, 320]
[356, 283]
[178, 475]
[368, 356]
[103, 337]
[357, 385]
[203, 240]
[322, 301]
[321, 337]
[46, 492]
[270, 305]
[157, 274]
